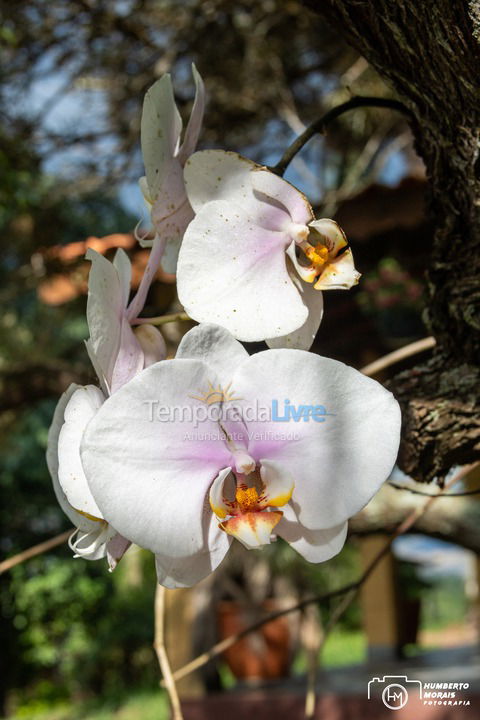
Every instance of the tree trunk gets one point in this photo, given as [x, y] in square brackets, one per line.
[429, 52]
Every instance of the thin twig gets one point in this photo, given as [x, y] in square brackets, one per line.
[163, 319]
[42, 547]
[312, 640]
[161, 651]
[337, 614]
[404, 526]
[398, 355]
[319, 125]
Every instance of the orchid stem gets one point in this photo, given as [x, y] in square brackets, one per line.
[156, 254]
[163, 319]
[161, 651]
[320, 125]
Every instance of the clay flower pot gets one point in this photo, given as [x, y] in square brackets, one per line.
[262, 655]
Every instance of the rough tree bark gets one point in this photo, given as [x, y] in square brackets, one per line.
[429, 52]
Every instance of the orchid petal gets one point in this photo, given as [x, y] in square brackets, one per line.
[171, 196]
[116, 549]
[216, 347]
[278, 482]
[123, 266]
[143, 184]
[92, 545]
[130, 358]
[80, 409]
[217, 494]
[332, 234]
[253, 529]
[194, 126]
[172, 229]
[104, 385]
[248, 278]
[304, 336]
[340, 460]
[339, 274]
[314, 545]
[104, 312]
[186, 571]
[278, 189]
[80, 521]
[217, 175]
[161, 126]
[152, 343]
[307, 274]
[151, 475]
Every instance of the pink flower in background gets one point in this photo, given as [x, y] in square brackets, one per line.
[184, 489]
[164, 157]
[254, 259]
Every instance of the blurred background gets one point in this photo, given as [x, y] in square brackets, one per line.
[76, 641]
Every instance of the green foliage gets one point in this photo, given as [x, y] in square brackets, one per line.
[146, 705]
[319, 579]
[80, 628]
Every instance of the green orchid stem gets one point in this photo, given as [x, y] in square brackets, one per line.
[163, 319]
[319, 126]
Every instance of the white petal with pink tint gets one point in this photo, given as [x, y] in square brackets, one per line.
[104, 312]
[339, 462]
[276, 188]
[234, 273]
[216, 347]
[151, 481]
[303, 337]
[80, 409]
[130, 358]
[194, 126]
[79, 520]
[314, 545]
[161, 126]
[152, 343]
[186, 571]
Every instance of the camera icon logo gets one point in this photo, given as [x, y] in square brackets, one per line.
[394, 690]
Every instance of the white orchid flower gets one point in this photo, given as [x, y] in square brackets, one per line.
[117, 353]
[184, 490]
[254, 259]
[94, 538]
[164, 158]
